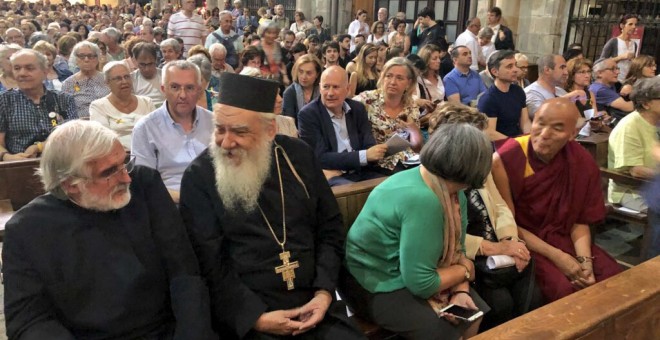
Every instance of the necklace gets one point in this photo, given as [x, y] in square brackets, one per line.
[287, 268]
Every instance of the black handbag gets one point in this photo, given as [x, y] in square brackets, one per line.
[504, 277]
[495, 278]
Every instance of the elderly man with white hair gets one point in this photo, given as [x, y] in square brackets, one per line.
[29, 114]
[219, 60]
[103, 254]
[264, 224]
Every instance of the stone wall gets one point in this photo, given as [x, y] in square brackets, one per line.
[325, 8]
[538, 25]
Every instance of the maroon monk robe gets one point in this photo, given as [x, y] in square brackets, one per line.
[549, 199]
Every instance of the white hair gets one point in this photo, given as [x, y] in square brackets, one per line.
[217, 47]
[181, 65]
[109, 66]
[239, 185]
[68, 149]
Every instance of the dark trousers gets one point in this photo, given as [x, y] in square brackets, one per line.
[508, 302]
[401, 312]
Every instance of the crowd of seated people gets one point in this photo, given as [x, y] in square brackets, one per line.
[210, 156]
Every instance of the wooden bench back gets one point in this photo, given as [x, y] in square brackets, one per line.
[351, 198]
[625, 306]
[19, 183]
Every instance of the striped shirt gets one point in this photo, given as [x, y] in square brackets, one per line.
[191, 30]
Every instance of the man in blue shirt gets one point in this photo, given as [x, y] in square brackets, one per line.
[171, 137]
[504, 102]
[463, 85]
[605, 74]
[29, 114]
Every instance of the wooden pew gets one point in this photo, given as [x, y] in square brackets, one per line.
[616, 212]
[351, 198]
[19, 182]
[626, 306]
[596, 144]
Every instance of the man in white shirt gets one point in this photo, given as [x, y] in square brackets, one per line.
[146, 79]
[469, 39]
[187, 25]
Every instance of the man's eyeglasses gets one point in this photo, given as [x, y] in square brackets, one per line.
[145, 65]
[86, 56]
[114, 171]
[613, 69]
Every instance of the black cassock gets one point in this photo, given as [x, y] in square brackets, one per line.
[71, 272]
[238, 253]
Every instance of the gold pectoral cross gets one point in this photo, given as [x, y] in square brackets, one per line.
[287, 269]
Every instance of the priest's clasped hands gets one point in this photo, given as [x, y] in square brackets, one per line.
[295, 321]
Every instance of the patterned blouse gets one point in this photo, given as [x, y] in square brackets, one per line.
[384, 127]
[86, 91]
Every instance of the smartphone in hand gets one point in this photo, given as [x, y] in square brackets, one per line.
[462, 313]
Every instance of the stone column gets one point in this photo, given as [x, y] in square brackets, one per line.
[538, 25]
[541, 27]
[325, 8]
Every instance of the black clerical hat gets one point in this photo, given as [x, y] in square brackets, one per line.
[249, 93]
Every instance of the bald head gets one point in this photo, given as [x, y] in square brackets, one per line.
[334, 88]
[561, 108]
[554, 125]
[335, 72]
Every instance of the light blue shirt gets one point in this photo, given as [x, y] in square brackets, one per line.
[162, 144]
[341, 132]
[468, 85]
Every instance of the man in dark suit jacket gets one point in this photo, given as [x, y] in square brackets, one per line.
[339, 131]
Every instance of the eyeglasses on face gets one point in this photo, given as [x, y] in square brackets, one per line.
[117, 79]
[90, 56]
[114, 171]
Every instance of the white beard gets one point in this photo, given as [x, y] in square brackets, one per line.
[239, 185]
[104, 203]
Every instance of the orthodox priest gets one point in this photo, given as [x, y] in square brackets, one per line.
[102, 255]
[264, 224]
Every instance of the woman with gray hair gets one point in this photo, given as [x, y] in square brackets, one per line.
[88, 84]
[392, 111]
[492, 231]
[406, 247]
[631, 143]
[171, 50]
[207, 98]
[121, 109]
